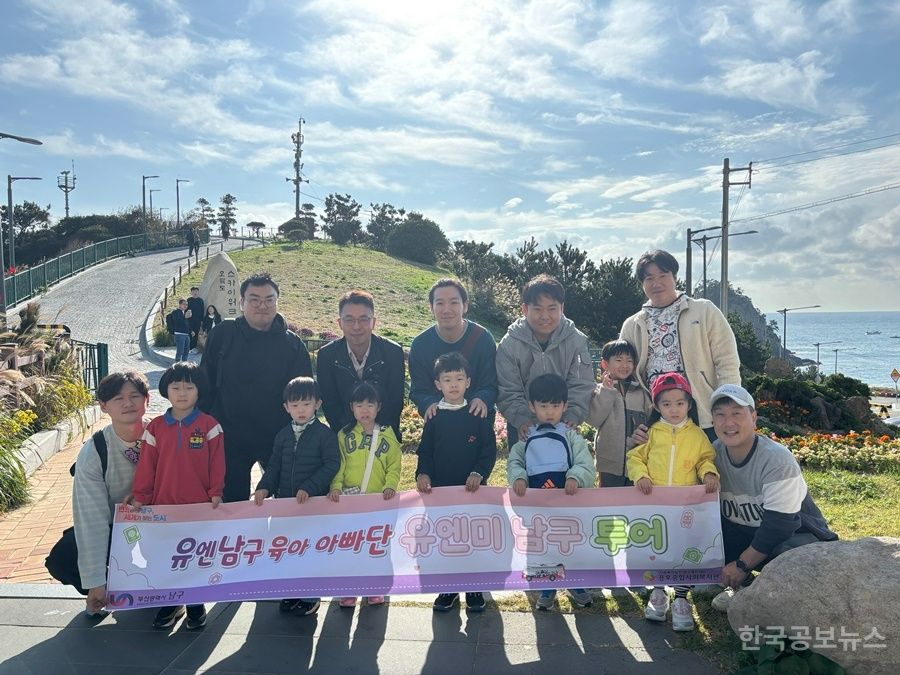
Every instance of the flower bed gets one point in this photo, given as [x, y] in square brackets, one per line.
[853, 451]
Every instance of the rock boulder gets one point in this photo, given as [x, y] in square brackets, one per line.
[222, 287]
[850, 587]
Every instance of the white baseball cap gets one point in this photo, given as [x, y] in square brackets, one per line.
[736, 393]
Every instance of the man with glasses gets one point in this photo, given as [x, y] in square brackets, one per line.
[358, 356]
[248, 362]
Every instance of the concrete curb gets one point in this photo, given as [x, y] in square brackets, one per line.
[40, 447]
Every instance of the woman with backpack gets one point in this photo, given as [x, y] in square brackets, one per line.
[103, 474]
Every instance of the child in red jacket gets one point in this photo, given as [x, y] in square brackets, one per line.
[182, 462]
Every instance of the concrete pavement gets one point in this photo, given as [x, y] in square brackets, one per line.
[52, 635]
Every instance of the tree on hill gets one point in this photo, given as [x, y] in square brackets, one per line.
[295, 229]
[207, 212]
[753, 354]
[256, 227]
[418, 238]
[227, 214]
[383, 220]
[308, 219]
[341, 219]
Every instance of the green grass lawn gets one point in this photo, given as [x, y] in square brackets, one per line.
[312, 278]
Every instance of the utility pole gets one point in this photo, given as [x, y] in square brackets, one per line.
[63, 184]
[689, 265]
[297, 138]
[726, 183]
[178, 182]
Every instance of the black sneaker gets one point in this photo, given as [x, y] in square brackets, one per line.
[445, 602]
[288, 605]
[475, 602]
[167, 616]
[196, 617]
[306, 608]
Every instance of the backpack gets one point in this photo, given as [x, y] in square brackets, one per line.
[170, 322]
[550, 458]
[62, 561]
[102, 451]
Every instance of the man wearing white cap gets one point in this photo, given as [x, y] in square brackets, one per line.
[766, 506]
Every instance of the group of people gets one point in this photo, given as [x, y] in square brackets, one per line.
[668, 409]
[190, 323]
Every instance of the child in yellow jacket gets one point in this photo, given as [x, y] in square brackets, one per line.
[677, 452]
[370, 457]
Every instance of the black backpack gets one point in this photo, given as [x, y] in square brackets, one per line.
[170, 322]
[62, 561]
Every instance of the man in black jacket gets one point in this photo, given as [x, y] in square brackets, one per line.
[358, 356]
[248, 362]
[196, 307]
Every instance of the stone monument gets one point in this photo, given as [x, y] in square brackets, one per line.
[221, 286]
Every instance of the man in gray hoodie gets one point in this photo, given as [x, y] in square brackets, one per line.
[542, 341]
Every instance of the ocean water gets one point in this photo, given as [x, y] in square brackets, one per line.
[865, 356]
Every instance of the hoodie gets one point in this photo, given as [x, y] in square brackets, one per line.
[520, 359]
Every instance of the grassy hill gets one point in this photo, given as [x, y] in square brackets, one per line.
[313, 277]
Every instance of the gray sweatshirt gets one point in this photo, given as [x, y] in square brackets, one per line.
[93, 504]
[520, 359]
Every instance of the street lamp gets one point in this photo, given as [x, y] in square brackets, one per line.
[144, 180]
[21, 139]
[846, 349]
[784, 312]
[702, 243]
[30, 141]
[178, 182]
[161, 209]
[10, 217]
[819, 344]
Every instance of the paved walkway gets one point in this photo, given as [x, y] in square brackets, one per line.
[110, 302]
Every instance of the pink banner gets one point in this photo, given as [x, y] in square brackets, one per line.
[450, 540]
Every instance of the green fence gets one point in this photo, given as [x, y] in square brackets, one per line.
[36, 279]
[94, 362]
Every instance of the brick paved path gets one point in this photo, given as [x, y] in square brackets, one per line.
[108, 303]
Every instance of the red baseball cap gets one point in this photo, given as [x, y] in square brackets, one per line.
[668, 381]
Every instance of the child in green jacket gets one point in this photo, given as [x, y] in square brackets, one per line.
[370, 457]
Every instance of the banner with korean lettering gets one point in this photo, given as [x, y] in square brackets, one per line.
[449, 540]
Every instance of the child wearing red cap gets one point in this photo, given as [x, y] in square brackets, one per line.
[677, 452]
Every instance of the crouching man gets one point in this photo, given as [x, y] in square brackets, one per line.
[766, 506]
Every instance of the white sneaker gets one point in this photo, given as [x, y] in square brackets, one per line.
[682, 617]
[722, 600]
[657, 606]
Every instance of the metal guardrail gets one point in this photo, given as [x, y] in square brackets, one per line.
[94, 362]
[32, 281]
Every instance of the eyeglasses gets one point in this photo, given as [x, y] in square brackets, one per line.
[361, 321]
[260, 302]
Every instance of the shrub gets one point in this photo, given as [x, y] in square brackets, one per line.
[15, 427]
[162, 337]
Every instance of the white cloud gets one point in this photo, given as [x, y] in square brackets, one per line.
[783, 21]
[65, 144]
[791, 83]
[718, 26]
[512, 203]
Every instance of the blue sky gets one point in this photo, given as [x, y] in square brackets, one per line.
[602, 123]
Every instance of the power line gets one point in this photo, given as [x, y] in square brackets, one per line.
[863, 193]
[737, 202]
[833, 147]
[837, 154]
